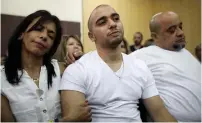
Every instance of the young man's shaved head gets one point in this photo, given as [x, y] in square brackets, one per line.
[90, 18]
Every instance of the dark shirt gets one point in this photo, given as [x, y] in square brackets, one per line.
[132, 48]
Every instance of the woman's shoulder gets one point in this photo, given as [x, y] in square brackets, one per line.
[2, 68]
[58, 65]
[4, 83]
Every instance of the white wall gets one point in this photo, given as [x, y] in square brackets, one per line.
[69, 10]
[66, 10]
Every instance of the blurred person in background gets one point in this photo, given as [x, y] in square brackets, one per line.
[137, 40]
[124, 46]
[71, 44]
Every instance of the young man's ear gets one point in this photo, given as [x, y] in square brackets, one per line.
[91, 36]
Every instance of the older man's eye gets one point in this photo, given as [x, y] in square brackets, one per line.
[172, 30]
[116, 18]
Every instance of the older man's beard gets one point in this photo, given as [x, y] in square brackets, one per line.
[178, 47]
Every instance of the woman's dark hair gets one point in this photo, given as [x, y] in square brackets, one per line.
[13, 62]
[126, 45]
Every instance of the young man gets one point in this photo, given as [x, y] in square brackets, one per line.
[176, 72]
[111, 81]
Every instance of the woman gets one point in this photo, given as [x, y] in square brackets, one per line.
[71, 44]
[29, 78]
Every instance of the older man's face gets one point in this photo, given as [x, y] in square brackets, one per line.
[171, 35]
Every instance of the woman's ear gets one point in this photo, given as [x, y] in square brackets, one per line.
[21, 36]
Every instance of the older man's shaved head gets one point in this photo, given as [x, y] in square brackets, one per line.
[155, 23]
[166, 30]
[92, 13]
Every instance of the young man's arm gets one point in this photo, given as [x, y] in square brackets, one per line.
[157, 110]
[151, 99]
[74, 106]
[73, 89]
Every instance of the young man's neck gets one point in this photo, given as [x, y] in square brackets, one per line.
[110, 55]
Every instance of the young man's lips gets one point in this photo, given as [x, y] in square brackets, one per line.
[114, 32]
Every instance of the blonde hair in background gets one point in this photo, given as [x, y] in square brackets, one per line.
[61, 51]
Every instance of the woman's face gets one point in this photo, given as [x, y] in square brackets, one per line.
[73, 45]
[123, 49]
[40, 40]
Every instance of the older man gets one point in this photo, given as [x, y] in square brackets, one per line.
[176, 72]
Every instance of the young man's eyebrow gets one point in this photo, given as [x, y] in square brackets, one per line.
[101, 18]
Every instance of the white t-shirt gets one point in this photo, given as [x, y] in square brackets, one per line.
[30, 103]
[177, 76]
[110, 98]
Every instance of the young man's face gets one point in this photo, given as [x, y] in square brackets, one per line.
[107, 27]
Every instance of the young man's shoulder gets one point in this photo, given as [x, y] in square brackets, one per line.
[88, 57]
[136, 63]
[86, 60]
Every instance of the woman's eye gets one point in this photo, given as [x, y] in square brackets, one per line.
[39, 28]
[51, 37]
